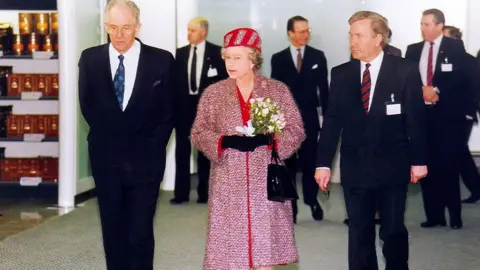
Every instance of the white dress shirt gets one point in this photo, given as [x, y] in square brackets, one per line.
[423, 65]
[200, 56]
[294, 52]
[130, 62]
[374, 69]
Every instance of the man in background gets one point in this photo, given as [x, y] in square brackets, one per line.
[304, 70]
[197, 66]
[447, 91]
[468, 168]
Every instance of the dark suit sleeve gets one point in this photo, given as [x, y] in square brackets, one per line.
[473, 84]
[222, 72]
[322, 82]
[83, 94]
[164, 128]
[408, 54]
[332, 124]
[415, 117]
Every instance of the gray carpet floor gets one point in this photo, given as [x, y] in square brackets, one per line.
[73, 241]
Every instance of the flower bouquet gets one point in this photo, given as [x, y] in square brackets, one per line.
[266, 116]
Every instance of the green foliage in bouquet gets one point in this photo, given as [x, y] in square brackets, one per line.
[266, 116]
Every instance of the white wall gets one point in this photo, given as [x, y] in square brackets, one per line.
[159, 29]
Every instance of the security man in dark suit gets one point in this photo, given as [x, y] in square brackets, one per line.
[448, 92]
[376, 107]
[304, 70]
[468, 168]
[198, 65]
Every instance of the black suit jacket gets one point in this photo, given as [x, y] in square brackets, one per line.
[212, 59]
[376, 148]
[129, 144]
[457, 95]
[304, 85]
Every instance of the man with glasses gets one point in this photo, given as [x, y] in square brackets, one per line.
[304, 70]
[125, 93]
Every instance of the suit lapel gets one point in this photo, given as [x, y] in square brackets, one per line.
[140, 78]
[288, 59]
[356, 84]
[306, 60]
[381, 93]
[206, 65]
[107, 74]
[440, 58]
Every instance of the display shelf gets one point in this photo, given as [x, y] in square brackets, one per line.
[31, 65]
[25, 57]
[22, 140]
[26, 100]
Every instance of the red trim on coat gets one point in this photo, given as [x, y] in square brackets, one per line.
[219, 147]
[245, 110]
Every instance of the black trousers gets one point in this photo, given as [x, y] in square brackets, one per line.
[441, 187]
[127, 210]
[361, 207]
[182, 156]
[305, 158]
[468, 167]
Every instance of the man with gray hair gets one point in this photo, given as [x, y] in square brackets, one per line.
[198, 65]
[125, 94]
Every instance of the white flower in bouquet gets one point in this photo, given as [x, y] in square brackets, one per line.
[266, 116]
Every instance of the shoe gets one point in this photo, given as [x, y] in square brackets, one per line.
[176, 201]
[346, 221]
[430, 224]
[472, 199]
[317, 212]
[456, 223]
[202, 201]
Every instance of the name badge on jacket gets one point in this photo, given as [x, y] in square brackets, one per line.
[447, 67]
[392, 107]
[212, 72]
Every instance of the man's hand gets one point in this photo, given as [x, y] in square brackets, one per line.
[417, 173]
[322, 176]
[435, 99]
[429, 94]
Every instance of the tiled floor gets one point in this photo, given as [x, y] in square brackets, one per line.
[18, 216]
[73, 241]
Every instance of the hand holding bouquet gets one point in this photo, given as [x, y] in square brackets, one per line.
[266, 116]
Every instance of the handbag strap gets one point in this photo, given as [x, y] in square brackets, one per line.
[275, 158]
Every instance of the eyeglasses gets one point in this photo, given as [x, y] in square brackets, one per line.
[303, 32]
[114, 29]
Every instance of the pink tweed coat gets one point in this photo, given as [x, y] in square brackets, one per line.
[245, 229]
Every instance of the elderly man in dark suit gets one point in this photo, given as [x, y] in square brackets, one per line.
[304, 70]
[448, 92]
[125, 93]
[197, 66]
[376, 107]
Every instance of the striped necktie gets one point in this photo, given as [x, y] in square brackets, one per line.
[366, 85]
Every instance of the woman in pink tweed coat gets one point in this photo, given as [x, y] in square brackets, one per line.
[245, 229]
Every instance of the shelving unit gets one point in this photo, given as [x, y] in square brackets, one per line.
[17, 148]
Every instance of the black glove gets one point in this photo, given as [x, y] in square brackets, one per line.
[246, 144]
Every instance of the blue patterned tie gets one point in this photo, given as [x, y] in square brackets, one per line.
[119, 81]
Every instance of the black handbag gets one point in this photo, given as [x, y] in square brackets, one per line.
[280, 187]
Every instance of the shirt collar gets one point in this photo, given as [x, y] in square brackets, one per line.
[437, 41]
[134, 50]
[377, 61]
[294, 49]
[200, 46]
